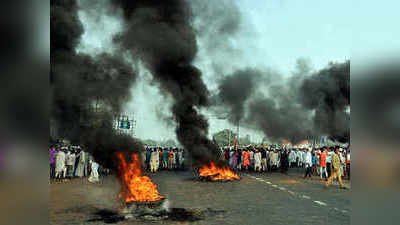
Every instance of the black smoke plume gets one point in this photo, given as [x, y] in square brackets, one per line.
[87, 91]
[328, 93]
[293, 109]
[234, 90]
[160, 33]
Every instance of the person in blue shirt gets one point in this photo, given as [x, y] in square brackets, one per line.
[165, 158]
[314, 164]
[148, 156]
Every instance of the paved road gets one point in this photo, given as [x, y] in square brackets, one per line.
[271, 198]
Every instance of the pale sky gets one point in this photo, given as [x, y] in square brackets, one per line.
[279, 32]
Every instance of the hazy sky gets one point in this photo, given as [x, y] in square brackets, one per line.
[279, 32]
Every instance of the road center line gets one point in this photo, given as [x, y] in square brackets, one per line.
[320, 203]
[306, 197]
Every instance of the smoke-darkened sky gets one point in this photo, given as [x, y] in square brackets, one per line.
[272, 34]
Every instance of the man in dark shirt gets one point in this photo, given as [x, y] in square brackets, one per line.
[263, 159]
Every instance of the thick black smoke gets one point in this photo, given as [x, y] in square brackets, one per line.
[161, 35]
[234, 90]
[328, 93]
[87, 91]
[294, 109]
[216, 22]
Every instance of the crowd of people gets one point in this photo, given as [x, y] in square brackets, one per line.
[317, 161]
[68, 161]
[327, 163]
[159, 158]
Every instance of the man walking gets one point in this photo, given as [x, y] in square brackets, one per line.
[335, 170]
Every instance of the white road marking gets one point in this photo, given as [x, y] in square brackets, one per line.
[293, 193]
[306, 197]
[320, 203]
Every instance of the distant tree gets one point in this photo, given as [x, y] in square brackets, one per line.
[223, 137]
[168, 143]
[245, 140]
[150, 142]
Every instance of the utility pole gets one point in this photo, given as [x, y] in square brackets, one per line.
[229, 137]
[237, 139]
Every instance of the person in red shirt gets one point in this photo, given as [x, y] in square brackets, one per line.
[161, 158]
[322, 163]
[246, 159]
[170, 158]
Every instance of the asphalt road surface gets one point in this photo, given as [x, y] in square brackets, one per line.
[270, 198]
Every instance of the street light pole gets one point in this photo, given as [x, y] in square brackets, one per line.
[238, 133]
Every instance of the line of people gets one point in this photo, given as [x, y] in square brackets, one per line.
[69, 161]
[158, 158]
[316, 161]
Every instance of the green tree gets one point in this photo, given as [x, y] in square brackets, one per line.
[245, 140]
[168, 143]
[224, 137]
[150, 142]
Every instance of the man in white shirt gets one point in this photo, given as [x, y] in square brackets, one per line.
[94, 174]
[257, 161]
[308, 163]
[70, 162]
[291, 158]
[154, 161]
[81, 164]
[60, 164]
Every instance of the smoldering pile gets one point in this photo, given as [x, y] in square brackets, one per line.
[152, 213]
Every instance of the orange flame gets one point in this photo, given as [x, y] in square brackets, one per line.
[135, 187]
[216, 173]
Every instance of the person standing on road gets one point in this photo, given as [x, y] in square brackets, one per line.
[60, 164]
[342, 162]
[348, 163]
[154, 161]
[292, 158]
[246, 159]
[284, 161]
[230, 157]
[81, 164]
[308, 163]
[314, 164]
[251, 157]
[239, 159]
[264, 160]
[52, 153]
[329, 160]
[234, 160]
[180, 158]
[94, 172]
[148, 156]
[322, 163]
[70, 161]
[257, 161]
[335, 170]
[165, 158]
[317, 159]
